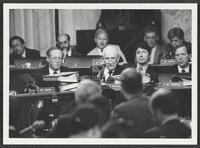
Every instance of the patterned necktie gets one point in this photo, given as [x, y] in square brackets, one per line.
[110, 73]
[140, 68]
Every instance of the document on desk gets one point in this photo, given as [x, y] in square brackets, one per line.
[62, 77]
[69, 87]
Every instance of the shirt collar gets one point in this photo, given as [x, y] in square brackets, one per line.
[144, 67]
[106, 72]
[24, 53]
[187, 69]
[51, 71]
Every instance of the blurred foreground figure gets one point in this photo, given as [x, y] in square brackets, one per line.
[164, 105]
[136, 107]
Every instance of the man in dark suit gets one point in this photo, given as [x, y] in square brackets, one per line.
[151, 37]
[54, 66]
[64, 44]
[136, 108]
[111, 67]
[142, 57]
[164, 105]
[182, 56]
[17, 44]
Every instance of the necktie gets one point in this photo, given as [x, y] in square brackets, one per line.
[140, 68]
[55, 72]
[183, 71]
[110, 79]
[110, 72]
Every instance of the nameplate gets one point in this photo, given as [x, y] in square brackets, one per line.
[46, 90]
[172, 84]
[167, 61]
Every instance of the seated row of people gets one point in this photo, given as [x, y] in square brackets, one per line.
[101, 38]
[111, 66]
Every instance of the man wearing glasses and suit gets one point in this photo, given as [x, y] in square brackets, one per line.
[54, 66]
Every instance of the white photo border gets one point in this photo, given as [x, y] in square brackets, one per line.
[97, 141]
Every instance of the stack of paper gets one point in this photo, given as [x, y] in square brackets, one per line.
[71, 77]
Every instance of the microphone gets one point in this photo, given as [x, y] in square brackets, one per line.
[37, 124]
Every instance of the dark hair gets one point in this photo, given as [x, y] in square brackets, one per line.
[144, 45]
[131, 81]
[151, 28]
[53, 48]
[175, 32]
[120, 128]
[165, 101]
[103, 104]
[67, 35]
[100, 31]
[187, 45]
[16, 38]
[84, 117]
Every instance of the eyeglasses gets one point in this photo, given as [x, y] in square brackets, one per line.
[65, 42]
[16, 45]
[57, 58]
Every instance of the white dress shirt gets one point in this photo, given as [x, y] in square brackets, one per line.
[96, 51]
[24, 54]
[143, 67]
[187, 69]
[51, 71]
[106, 73]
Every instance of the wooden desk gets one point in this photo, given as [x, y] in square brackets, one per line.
[24, 108]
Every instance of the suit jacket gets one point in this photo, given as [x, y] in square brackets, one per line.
[171, 129]
[174, 69]
[137, 110]
[150, 70]
[31, 54]
[75, 52]
[158, 54]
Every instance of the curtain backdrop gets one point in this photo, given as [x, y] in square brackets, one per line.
[71, 20]
[36, 26]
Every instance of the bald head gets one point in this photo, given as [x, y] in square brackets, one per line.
[110, 56]
[64, 41]
[165, 101]
[86, 90]
[131, 81]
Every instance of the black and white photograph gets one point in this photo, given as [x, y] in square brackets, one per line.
[100, 73]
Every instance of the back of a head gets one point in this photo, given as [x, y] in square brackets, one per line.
[165, 101]
[151, 28]
[86, 90]
[120, 128]
[103, 104]
[131, 81]
[84, 117]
